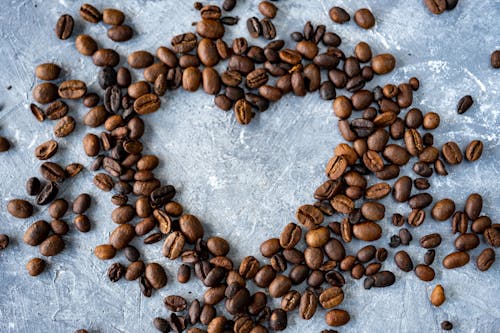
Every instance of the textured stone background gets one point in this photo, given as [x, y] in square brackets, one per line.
[246, 182]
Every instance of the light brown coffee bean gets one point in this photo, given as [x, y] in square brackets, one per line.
[437, 296]
[456, 259]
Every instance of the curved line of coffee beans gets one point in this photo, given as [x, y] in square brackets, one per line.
[118, 151]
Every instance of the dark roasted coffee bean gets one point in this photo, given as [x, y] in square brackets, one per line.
[64, 27]
[464, 104]
[443, 209]
[395, 241]
[47, 194]
[473, 206]
[495, 59]
[416, 217]
[430, 241]
[429, 257]
[421, 183]
[45, 92]
[419, 201]
[175, 303]
[474, 150]
[405, 236]
[120, 33]
[107, 77]
[446, 325]
[33, 186]
[278, 320]
[4, 241]
[492, 236]
[116, 271]
[398, 220]
[451, 153]
[403, 261]
[90, 100]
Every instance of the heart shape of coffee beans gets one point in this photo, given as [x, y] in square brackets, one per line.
[325, 261]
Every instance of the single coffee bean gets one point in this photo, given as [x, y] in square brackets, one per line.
[47, 71]
[430, 241]
[451, 153]
[20, 208]
[364, 18]
[443, 209]
[424, 272]
[90, 13]
[64, 26]
[86, 45]
[383, 63]
[113, 16]
[464, 104]
[339, 15]
[104, 251]
[402, 189]
[403, 261]
[37, 112]
[331, 297]
[437, 297]
[405, 236]
[36, 266]
[367, 231]
[4, 241]
[420, 201]
[337, 317]
[446, 325]
[58, 208]
[64, 126]
[495, 59]
[421, 183]
[268, 9]
[147, 104]
[45, 93]
[473, 206]
[45, 151]
[373, 211]
[106, 57]
[209, 28]
[116, 271]
[474, 150]
[51, 246]
[82, 223]
[485, 259]
[155, 275]
[435, 6]
[456, 259]
[52, 172]
[308, 304]
[492, 236]
[381, 254]
[36, 233]
[175, 303]
[480, 224]
[161, 325]
[466, 242]
[47, 194]
[429, 257]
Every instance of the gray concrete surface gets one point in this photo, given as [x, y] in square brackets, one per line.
[245, 183]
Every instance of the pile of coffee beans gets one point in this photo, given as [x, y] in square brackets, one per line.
[382, 131]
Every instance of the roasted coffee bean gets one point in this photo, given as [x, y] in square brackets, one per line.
[64, 126]
[373, 211]
[104, 252]
[403, 261]
[175, 303]
[419, 201]
[33, 186]
[421, 183]
[422, 169]
[113, 16]
[446, 325]
[309, 216]
[121, 236]
[56, 110]
[45, 92]
[473, 206]
[435, 6]
[425, 273]
[485, 259]
[364, 18]
[431, 120]
[64, 26]
[81, 203]
[466, 242]
[464, 104]
[116, 271]
[52, 172]
[495, 59]
[451, 153]
[106, 57]
[173, 245]
[36, 266]
[430, 241]
[402, 189]
[107, 77]
[45, 151]
[474, 150]
[82, 223]
[278, 262]
[37, 112]
[397, 220]
[383, 63]
[395, 241]
[456, 259]
[308, 304]
[36, 233]
[268, 9]
[120, 33]
[278, 320]
[367, 231]
[161, 325]
[339, 15]
[443, 209]
[90, 13]
[405, 236]
[47, 194]
[47, 71]
[51, 246]
[145, 286]
[155, 275]
[86, 45]
[337, 317]
[479, 225]
[58, 208]
[209, 28]
[131, 253]
[20, 208]
[492, 236]
[416, 217]
[290, 301]
[147, 104]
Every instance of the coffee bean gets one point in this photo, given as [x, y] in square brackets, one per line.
[20, 208]
[116, 271]
[492, 236]
[47, 194]
[147, 104]
[405, 236]
[113, 16]
[36, 233]
[402, 189]
[337, 317]
[435, 6]
[419, 201]
[37, 112]
[456, 259]
[383, 63]
[104, 251]
[4, 241]
[161, 325]
[64, 126]
[464, 104]
[36, 266]
[446, 325]
[45, 151]
[59, 227]
[367, 231]
[268, 9]
[47, 71]
[466, 242]
[331, 297]
[431, 120]
[145, 286]
[373, 211]
[395, 241]
[86, 45]
[208, 28]
[45, 92]
[377, 191]
[495, 59]
[473, 206]
[155, 275]
[173, 245]
[175, 303]
[381, 254]
[90, 13]
[443, 209]
[82, 223]
[403, 261]
[52, 172]
[364, 18]
[480, 224]
[451, 153]
[64, 26]
[424, 272]
[51, 246]
[106, 57]
[474, 150]
[485, 259]
[339, 15]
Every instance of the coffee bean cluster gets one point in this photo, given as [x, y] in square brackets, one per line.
[358, 175]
